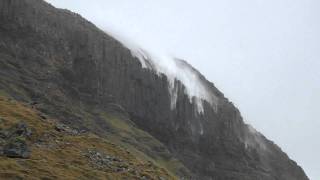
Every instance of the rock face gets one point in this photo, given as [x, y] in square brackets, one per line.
[63, 62]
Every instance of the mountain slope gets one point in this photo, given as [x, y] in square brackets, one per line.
[74, 72]
[59, 152]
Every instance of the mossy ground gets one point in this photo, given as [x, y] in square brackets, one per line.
[57, 155]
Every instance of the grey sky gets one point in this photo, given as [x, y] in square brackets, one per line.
[263, 54]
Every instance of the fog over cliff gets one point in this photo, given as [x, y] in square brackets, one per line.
[264, 55]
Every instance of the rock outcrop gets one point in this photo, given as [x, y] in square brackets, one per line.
[72, 69]
[13, 142]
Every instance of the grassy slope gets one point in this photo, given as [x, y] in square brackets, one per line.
[61, 156]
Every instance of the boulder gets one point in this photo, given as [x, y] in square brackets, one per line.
[13, 141]
[17, 148]
[21, 129]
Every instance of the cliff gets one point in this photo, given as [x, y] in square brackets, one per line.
[72, 71]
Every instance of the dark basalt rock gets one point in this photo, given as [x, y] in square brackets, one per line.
[21, 129]
[64, 63]
[16, 148]
[4, 134]
[13, 141]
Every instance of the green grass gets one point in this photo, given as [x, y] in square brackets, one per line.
[61, 156]
[142, 143]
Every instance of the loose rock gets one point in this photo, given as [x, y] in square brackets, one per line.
[64, 128]
[103, 161]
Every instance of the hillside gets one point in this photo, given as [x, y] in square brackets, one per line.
[59, 152]
[77, 75]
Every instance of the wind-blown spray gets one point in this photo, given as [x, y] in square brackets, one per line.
[176, 69]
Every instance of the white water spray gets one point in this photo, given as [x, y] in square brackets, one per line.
[175, 69]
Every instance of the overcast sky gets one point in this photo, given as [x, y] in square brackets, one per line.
[264, 55]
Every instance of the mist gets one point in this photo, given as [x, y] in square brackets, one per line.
[174, 70]
[263, 55]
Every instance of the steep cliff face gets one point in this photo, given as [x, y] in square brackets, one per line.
[68, 66]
